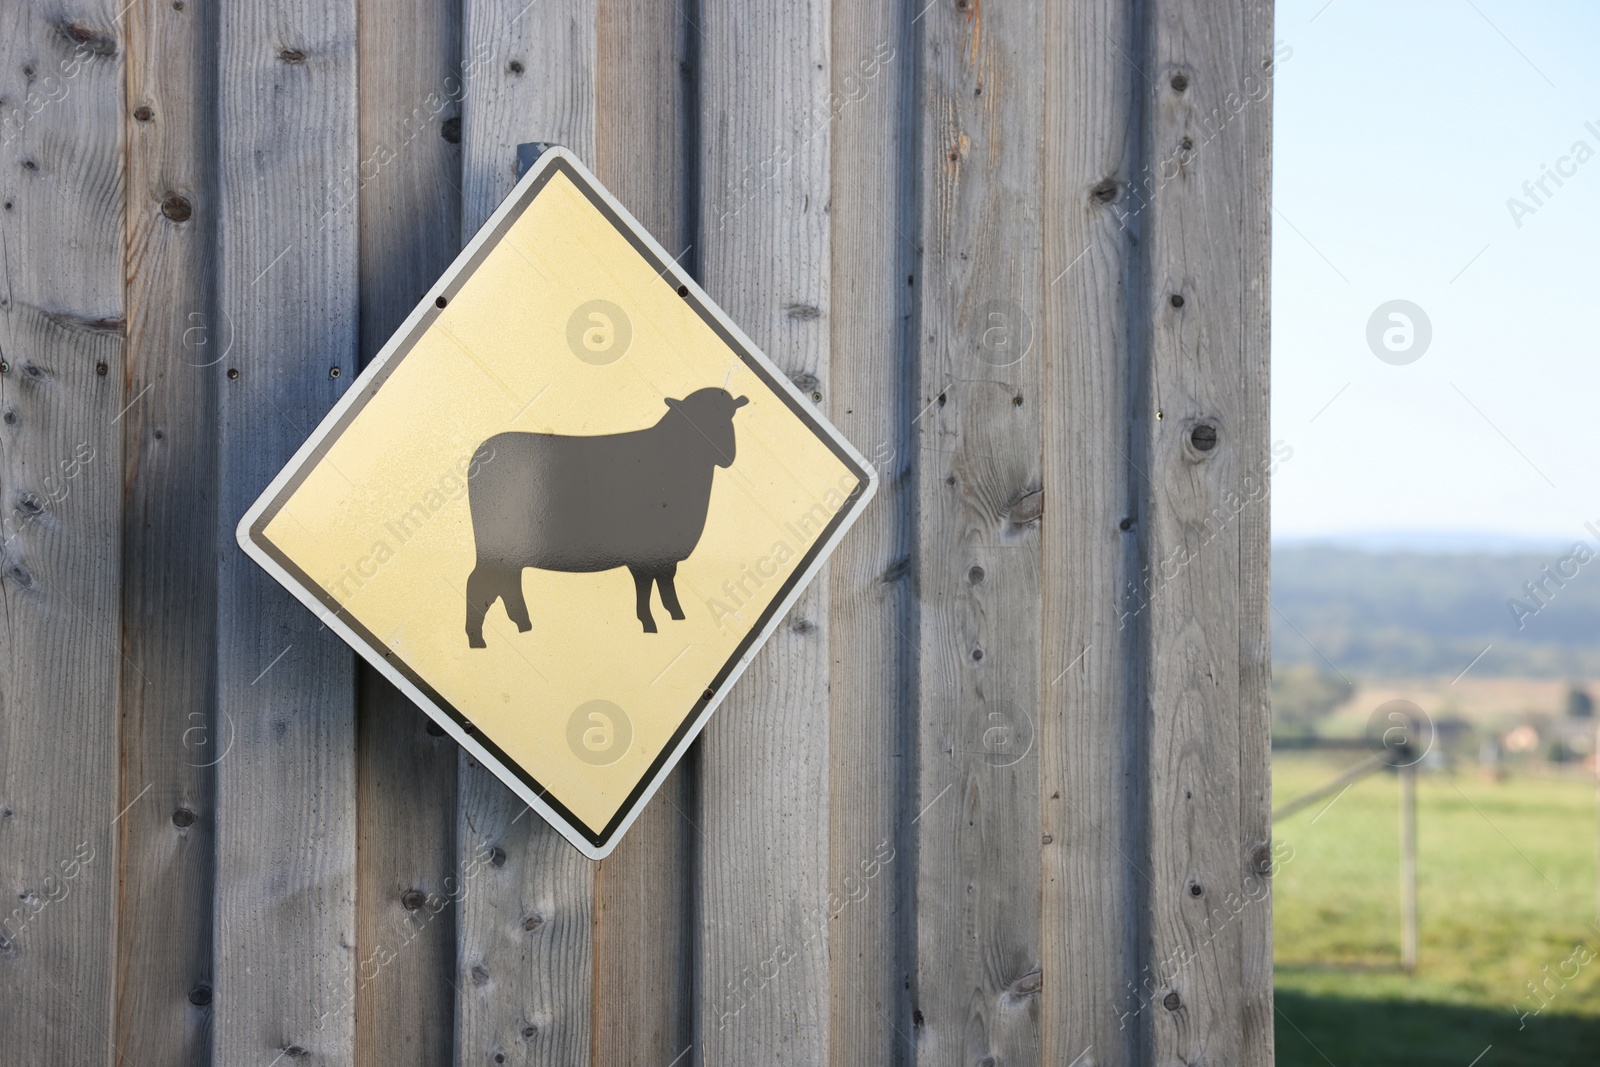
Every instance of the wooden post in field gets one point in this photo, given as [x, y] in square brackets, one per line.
[1408, 867]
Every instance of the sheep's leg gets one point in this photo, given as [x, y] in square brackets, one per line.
[669, 592]
[642, 580]
[482, 591]
[516, 603]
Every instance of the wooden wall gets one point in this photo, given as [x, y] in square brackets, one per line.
[995, 794]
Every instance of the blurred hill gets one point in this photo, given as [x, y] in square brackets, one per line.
[1406, 613]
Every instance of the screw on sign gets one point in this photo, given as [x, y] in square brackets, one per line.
[565, 432]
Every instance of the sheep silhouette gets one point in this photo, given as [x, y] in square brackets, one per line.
[582, 504]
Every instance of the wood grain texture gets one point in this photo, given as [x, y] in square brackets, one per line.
[524, 960]
[1204, 452]
[413, 82]
[872, 679]
[765, 136]
[170, 740]
[1093, 886]
[644, 997]
[61, 337]
[978, 979]
[996, 792]
[1259, 58]
[285, 931]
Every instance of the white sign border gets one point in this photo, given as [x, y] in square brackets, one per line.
[374, 369]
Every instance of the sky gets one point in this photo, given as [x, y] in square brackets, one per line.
[1401, 130]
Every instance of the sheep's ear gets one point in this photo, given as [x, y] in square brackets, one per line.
[740, 401]
[673, 402]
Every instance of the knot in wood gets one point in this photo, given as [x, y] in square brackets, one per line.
[1027, 508]
[95, 42]
[1203, 437]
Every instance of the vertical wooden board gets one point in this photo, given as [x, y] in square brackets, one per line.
[1093, 606]
[170, 740]
[1259, 58]
[764, 797]
[287, 173]
[61, 327]
[872, 676]
[406, 917]
[524, 960]
[643, 937]
[978, 979]
[1201, 300]
[412, 83]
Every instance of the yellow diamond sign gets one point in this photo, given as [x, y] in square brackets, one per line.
[564, 506]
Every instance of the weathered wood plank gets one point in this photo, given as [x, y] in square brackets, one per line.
[288, 178]
[978, 563]
[413, 80]
[643, 922]
[171, 740]
[764, 806]
[873, 676]
[61, 388]
[1203, 449]
[1259, 54]
[524, 957]
[1093, 1004]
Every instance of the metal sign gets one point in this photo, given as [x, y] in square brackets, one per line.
[565, 505]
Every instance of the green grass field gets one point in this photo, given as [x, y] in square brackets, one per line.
[1506, 889]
